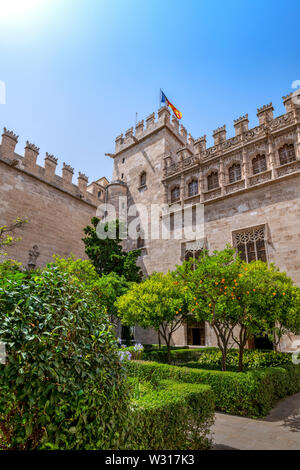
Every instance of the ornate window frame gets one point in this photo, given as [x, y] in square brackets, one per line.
[192, 181]
[193, 247]
[280, 142]
[252, 234]
[172, 188]
[285, 144]
[266, 161]
[210, 174]
[231, 165]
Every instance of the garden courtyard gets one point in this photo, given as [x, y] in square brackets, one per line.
[68, 382]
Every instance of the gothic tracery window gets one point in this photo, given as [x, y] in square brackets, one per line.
[259, 164]
[251, 244]
[175, 194]
[213, 180]
[287, 154]
[235, 173]
[193, 188]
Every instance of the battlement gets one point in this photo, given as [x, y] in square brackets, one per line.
[221, 142]
[47, 173]
[153, 123]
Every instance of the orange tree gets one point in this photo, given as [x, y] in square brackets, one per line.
[160, 302]
[212, 281]
[268, 304]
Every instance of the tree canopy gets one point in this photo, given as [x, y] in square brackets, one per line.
[107, 255]
[160, 302]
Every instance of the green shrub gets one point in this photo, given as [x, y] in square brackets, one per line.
[178, 356]
[157, 347]
[63, 384]
[170, 416]
[251, 393]
[211, 358]
[253, 359]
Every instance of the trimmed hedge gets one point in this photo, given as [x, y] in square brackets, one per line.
[253, 359]
[156, 347]
[251, 393]
[178, 356]
[211, 358]
[171, 416]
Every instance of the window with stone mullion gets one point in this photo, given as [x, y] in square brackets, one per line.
[193, 188]
[287, 154]
[235, 173]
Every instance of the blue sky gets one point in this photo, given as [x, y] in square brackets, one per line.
[77, 71]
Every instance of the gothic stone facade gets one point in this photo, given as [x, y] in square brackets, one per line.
[249, 185]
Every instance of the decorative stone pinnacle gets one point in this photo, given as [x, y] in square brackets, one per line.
[240, 119]
[51, 158]
[265, 107]
[68, 168]
[219, 129]
[150, 117]
[10, 134]
[120, 137]
[129, 132]
[82, 176]
[32, 147]
[287, 96]
[201, 139]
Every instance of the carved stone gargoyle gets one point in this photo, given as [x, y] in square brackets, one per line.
[33, 255]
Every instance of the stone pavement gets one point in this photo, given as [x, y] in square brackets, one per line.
[280, 430]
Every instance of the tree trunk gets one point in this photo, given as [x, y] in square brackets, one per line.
[224, 356]
[242, 344]
[169, 352]
[159, 341]
[241, 357]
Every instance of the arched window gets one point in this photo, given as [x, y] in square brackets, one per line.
[287, 154]
[235, 173]
[213, 180]
[175, 194]
[140, 242]
[143, 179]
[193, 188]
[259, 164]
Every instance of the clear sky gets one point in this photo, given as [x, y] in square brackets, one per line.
[77, 71]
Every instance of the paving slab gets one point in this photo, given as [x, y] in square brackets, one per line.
[280, 430]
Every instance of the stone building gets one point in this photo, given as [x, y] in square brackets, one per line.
[249, 186]
[56, 209]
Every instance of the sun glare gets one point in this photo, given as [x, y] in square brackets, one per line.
[10, 9]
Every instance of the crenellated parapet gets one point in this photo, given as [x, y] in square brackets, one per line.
[275, 142]
[47, 173]
[150, 125]
[9, 142]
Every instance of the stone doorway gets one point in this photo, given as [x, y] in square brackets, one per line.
[195, 333]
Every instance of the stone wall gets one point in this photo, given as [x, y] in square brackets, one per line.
[57, 210]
